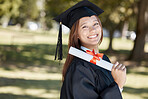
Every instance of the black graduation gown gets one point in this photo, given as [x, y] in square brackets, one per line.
[85, 80]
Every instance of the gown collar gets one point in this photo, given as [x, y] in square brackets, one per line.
[84, 49]
[96, 68]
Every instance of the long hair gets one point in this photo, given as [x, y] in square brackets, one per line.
[75, 42]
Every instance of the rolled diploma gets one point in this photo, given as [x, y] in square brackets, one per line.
[87, 57]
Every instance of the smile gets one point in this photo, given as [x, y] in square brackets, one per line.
[92, 36]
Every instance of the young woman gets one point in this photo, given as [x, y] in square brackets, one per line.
[82, 79]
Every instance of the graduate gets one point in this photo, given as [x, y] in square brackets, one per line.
[82, 79]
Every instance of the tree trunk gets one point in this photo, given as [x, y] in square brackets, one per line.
[110, 48]
[4, 20]
[142, 25]
[125, 29]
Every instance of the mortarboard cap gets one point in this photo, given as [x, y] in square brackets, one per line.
[69, 17]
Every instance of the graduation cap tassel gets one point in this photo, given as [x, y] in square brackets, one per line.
[59, 44]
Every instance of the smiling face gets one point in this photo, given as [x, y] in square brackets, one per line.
[89, 31]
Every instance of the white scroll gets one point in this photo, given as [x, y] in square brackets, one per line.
[87, 57]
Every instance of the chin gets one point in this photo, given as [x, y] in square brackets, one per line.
[90, 42]
[93, 43]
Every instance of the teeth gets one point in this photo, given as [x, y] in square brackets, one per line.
[93, 36]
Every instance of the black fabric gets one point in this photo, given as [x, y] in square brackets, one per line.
[77, 14]
[85, 80]
[59, 45]
[81, 9]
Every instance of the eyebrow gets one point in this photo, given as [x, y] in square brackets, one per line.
[95, 20]
[83, 24]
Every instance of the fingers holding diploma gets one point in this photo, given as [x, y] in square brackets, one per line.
[119, 74]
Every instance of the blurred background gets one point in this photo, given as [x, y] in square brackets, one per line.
[28, 38]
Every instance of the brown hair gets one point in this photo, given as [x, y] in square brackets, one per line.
[75, 42]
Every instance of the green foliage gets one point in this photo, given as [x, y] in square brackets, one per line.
[116, 12]
[55, 7]
[10, 7]
[19, 10]
[29, 9]
[52, 9]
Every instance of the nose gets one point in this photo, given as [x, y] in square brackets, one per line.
[92, 29]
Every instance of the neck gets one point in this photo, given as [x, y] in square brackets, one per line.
[92, 47]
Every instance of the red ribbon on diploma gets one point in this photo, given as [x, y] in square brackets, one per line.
[95, 56]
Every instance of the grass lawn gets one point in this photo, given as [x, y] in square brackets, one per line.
[28, 69]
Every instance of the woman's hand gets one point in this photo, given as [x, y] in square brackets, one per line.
[119, 74]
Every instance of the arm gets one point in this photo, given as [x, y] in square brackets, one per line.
[119, 74]
[111, 92]
[83, 85]
[107, 59]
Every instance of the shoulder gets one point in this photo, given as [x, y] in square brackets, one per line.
[77, 62]
[79, 67]
[80, 63]
[106, 58]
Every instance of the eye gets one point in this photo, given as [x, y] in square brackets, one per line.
[96, 24]
[84, 27]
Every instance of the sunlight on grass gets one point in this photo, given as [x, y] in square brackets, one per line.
[25, 38]
[137, 81]
[21, 80]
[131, 96]
[11, 37]
[11, 89]
[124, 44]
[104, 44]
[30, 75]
[40, 93]
[136, 85]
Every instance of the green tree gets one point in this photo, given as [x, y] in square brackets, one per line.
[28, 11]
[116, 13]
[8, 8]
[141, 31]
[55, 7]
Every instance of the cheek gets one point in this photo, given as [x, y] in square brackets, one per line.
[82, 34]
[99, 31]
